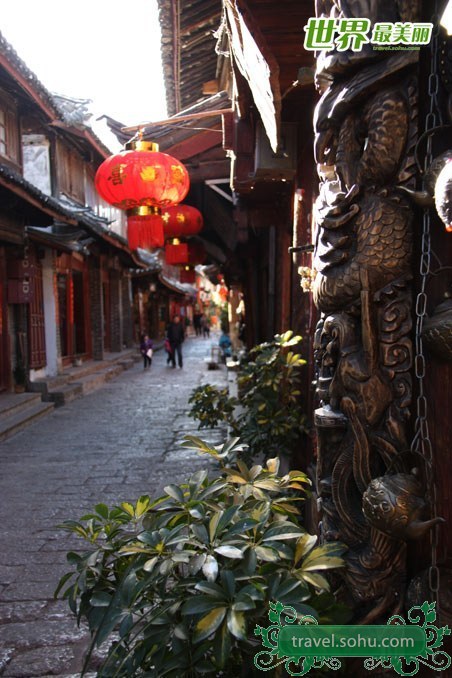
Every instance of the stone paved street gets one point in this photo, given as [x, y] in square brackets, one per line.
[113, 445]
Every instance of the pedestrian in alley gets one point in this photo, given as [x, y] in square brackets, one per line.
[168, 349]
[197, 323]
[205, 325]
[146, 349]
[176, 336]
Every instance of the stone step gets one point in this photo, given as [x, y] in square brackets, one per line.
[88, 368]
[126, 364]
[11, 403]
[94, 381]
[19, 420]
[49, 384]
[64, 394]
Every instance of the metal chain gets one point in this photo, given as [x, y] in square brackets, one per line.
[421, 441]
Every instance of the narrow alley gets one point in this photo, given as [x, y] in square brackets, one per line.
[114, 445]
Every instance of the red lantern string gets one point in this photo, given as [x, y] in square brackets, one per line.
[176, 253]
[187, 275]
[182, 221]
[132, 179]
[141, 180]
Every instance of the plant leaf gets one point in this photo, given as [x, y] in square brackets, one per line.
[236, 624]
[229, 551]
[315, 579]
[304, 544]
[199, 605]
[175, 492]
[209, 624]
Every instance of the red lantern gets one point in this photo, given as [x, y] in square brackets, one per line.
[184, 253]
[141, 180]
[187, 275]
[176, 253]
[182, 221]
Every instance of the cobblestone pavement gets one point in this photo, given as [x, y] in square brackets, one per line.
[113, 445]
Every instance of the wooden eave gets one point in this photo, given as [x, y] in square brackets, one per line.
[84, 136]
[281, 24]
[24, 194]
[188, 48]
[26, 79]
[270, 63]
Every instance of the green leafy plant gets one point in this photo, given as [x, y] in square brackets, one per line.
[178, 583]
[270, 419]
[212, 406]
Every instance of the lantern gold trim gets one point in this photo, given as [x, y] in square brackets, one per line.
[141, 145]
[143, 211]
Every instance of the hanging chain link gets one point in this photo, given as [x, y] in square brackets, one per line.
[421, 441]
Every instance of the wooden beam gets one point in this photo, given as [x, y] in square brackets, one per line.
[178, 118]
[215, 169]
[196, 145]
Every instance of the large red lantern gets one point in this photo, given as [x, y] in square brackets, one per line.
[182, 221]
[141, 180]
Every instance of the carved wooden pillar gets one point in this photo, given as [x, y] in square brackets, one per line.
[366, 130]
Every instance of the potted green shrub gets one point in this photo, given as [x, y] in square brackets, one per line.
[178, 583]
[269, 417]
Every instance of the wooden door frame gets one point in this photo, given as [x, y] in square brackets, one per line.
[5, 364]
[106, 305]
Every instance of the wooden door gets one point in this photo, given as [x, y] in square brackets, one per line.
[5, 368]
[36, 326]
[107, 310]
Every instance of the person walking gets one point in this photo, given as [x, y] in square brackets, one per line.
[176, 336]
[205, 325]
[146, 349]
[197, 323]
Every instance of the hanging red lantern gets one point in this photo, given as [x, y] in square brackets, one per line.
[176, 253]
[182, 221]
[141, 180]
[187, 275]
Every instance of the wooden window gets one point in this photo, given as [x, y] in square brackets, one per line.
[9, 134]
[71, 173]
[2, 131]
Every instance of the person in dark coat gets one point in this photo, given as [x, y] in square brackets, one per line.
[176, 336]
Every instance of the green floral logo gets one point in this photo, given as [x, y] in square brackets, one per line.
[301, 644]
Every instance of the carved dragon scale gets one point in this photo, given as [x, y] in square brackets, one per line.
[366, 130]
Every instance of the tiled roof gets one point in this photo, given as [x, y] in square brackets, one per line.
[34, 84]
[61, 109]
[62, 206]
